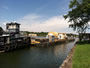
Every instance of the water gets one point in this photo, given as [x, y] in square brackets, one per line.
[35, 57]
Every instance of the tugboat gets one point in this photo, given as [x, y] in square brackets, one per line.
[11, 38]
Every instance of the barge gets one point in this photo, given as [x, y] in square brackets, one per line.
[52, 38]
[47, 42]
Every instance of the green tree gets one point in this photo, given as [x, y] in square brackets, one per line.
[79, 15]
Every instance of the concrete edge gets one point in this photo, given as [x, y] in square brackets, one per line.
[67, 63]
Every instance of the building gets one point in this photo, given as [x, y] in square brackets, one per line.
[62, 36]
[32, 35]
[52, 36]
[57, 35]
[84, 36]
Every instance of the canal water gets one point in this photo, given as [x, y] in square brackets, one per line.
[36, 57]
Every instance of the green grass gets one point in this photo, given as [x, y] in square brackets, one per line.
[81, 58]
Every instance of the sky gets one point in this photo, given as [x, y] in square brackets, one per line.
[36, 15]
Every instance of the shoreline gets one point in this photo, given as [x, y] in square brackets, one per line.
[67, 63]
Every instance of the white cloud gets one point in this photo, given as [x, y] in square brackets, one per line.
[37, 23]
[34, 22]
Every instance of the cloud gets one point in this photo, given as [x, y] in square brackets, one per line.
[37, 23]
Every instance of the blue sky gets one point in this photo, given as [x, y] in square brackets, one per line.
[35, 12]
[14, 9]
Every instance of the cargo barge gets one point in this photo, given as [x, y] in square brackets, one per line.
[52, 38]
[43, 42]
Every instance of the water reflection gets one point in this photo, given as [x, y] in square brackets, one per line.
[59, 50]
[35, 57]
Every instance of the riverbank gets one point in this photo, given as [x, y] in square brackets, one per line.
[81, 57]
[67, 63]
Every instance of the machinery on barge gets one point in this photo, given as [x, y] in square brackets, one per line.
[52, 38]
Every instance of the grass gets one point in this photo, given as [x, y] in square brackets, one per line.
[81, 58]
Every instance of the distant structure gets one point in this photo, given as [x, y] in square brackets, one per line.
[84, 36]
[57, 35]
[54, 36]
[32, 35]
[13, 27]
[62, 36]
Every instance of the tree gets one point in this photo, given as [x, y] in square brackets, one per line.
[79, 15]
[1, 31]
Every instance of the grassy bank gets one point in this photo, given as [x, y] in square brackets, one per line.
[81, 58]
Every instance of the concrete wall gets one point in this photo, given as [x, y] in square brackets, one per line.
[68, 61]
